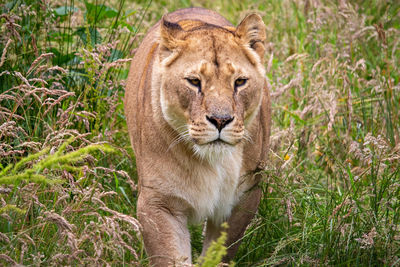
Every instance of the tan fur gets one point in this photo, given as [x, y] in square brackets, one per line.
[185, 175]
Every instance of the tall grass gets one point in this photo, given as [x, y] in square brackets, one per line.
[331, 190]
[66, 196]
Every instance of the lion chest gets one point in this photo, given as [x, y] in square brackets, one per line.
[212, 189]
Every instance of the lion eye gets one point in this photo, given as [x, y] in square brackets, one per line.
[195, 82]
[240, 82]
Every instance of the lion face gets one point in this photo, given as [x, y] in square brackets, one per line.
[212, 81]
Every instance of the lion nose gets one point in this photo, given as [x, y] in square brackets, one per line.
[220, 121]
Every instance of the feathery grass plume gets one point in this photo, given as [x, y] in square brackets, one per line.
[3, 55]
[7, 259]
[8, 208]
[215, 252]
[58, 161]
[27, 159]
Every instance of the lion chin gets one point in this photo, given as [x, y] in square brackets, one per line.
[214, 151]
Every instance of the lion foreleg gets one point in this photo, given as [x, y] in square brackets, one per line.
[165, 234]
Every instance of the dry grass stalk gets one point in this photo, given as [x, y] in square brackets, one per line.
[8, 259]
[3, 55]
[37, 60]
[367, 240]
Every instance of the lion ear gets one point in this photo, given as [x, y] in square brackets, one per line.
[252, 33]
[170, 43]
[169, 34]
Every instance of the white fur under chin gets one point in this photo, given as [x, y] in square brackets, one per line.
[214, 152]
[216, 191]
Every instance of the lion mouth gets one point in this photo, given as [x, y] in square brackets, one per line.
[219, 142]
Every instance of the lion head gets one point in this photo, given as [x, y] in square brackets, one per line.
[212, 81]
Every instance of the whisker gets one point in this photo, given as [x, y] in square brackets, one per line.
[182, 127]
[247, 137]
[181, 137]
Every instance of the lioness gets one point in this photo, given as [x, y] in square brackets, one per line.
[198, 113]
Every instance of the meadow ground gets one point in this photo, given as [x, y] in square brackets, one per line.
[67, 172]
